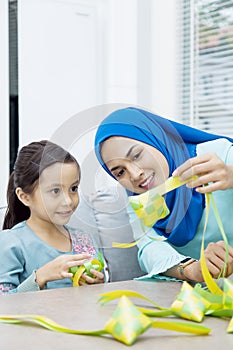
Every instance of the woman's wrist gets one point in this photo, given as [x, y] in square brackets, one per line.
[192, 271]
[181, 268]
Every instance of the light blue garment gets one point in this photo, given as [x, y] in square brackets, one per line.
[22, 252]
[156, 257]
[177, 142]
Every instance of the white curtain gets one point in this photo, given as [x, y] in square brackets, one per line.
[207, 65]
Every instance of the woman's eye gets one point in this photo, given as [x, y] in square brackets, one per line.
[137, 155]
[119, 173]
[55, 190]
[74, 189]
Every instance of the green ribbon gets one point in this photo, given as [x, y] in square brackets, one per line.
[129, 321]
[94, 264]
[125, 325]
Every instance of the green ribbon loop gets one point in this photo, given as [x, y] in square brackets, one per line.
[94, 264]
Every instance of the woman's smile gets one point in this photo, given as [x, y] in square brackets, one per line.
[148, 183]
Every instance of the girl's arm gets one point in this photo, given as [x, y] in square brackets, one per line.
[12, 267]
[29, 285]
[58, 268]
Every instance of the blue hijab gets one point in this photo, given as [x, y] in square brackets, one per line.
[177, 142]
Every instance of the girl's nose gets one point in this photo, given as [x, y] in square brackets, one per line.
[67, 200]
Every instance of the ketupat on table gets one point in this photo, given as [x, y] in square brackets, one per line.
[77, 308]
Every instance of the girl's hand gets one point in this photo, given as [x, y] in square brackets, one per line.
[215, 257]
[210, 169]
[98, 278]
[58, 268]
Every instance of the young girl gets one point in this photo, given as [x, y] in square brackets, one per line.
[37, 248]
[141, 150]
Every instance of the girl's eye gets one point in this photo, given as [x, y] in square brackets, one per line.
[55, 190]
[74, 189]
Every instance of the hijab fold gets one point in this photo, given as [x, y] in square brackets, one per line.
[177, 142]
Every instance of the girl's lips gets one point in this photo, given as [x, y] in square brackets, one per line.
[64, 213]
[148, 182]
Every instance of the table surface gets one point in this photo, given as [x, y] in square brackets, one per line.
[77, 308]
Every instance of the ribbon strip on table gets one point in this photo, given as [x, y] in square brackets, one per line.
[192, 303]
[125, 325]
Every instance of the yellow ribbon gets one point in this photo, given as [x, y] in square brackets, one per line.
[192, 303]
[94, 264]
[125, 325]
[150, 207]
[129, 321]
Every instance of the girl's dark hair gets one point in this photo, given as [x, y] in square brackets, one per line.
[31, 161]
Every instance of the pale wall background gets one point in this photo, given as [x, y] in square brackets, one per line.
[76, 56]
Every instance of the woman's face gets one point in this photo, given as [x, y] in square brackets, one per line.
[136, 165]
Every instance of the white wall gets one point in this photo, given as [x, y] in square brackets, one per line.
[59, 84]
[165, 55]
[60, 63]
[4, 101]
[56, 79]
[121, 45]
[128, 57]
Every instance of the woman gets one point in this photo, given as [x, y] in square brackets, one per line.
[141, 150]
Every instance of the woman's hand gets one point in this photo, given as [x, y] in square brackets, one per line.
[215, 256]
[98, 278]
[210, 170]
[58, 268]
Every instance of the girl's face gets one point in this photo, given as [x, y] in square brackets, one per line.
[136, 165]
[55, 197]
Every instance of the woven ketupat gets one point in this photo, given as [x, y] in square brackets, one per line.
[149, 207]
[189, 304]
[228, 293]
[127, 322]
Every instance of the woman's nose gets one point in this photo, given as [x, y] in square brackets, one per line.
[136, 172]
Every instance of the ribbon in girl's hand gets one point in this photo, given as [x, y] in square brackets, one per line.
[77, 271]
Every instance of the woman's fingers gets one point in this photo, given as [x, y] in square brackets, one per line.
[211, 171]
[215, 255]
[193, 166]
